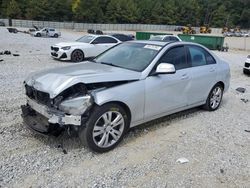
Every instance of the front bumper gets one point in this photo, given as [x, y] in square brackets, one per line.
[38, 123]
[58, 53]
[44, 120]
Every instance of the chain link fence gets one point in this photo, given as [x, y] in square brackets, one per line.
[103, 27]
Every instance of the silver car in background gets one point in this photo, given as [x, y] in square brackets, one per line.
[130, 84]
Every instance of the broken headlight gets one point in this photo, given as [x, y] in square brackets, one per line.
[76, 106]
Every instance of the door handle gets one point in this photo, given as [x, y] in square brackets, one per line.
[211, 69]
[184, 77]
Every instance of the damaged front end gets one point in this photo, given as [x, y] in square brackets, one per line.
[51, 116]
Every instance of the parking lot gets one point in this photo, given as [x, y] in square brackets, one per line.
[215, 143]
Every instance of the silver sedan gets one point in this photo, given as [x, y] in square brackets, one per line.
[128, 85]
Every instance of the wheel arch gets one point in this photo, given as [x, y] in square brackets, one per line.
[221, 83]
[123, 105]
[77, 49]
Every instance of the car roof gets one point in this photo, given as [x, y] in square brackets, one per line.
[96, 35]
[164, 36]
[162, 43]
[158, 43]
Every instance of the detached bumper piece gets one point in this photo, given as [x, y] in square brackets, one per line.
[38, 123]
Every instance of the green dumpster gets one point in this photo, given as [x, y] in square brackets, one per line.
[211, 42]
[147, 35]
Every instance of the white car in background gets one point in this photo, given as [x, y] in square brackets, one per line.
[165, 38]
[87, 46]
[46, 32]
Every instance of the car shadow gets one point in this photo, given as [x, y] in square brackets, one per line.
[165, 121]
[69, 143]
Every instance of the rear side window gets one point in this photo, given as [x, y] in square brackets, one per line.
[177, 57]
[199, 56]
[174, 39]
[122, 38]
[104, 40]
[52, 29]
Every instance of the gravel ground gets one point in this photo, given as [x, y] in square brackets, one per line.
[215, 143]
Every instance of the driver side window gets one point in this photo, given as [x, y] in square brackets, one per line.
[177, 57]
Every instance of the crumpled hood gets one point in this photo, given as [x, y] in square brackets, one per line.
[63, 44]
[54, 81]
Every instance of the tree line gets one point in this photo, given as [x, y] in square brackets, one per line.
[216, 13]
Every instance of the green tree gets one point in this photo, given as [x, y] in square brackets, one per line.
[220, 16]
[89, 11]
[13, 10]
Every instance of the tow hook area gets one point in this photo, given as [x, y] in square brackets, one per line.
[38, 123]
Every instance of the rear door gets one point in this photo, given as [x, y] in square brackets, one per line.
[51, 32]
[203, 72]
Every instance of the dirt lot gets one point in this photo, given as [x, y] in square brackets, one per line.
[215, 143]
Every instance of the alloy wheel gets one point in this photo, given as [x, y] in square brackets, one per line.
[215, 98]
[108, 129]
[77, 56]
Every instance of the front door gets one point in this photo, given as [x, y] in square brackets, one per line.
[167, 92]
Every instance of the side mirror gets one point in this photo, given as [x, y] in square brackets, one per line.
[165, 68]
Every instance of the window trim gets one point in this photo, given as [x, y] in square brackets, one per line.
[105, 37]
[204, 50]
[177, 46]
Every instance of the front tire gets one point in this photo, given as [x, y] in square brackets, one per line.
[214, 98]
[56, 35]
[105, 128]
[77, 56]
[38, 35]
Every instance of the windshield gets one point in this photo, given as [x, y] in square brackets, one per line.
[132, 56]
[86, 39]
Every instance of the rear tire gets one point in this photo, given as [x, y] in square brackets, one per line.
[214, 98]
[56, 35]
[77, 56]
[105, 128]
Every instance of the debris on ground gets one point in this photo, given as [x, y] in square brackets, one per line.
[182, 160]
[12, 30]
[241, 89]
[248, 131]
[244, 100]
[1, 60]
[63, 150]
[7, 52]
[16, 55]
[221, 171]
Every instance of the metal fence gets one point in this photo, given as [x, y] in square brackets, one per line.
[103, 27]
